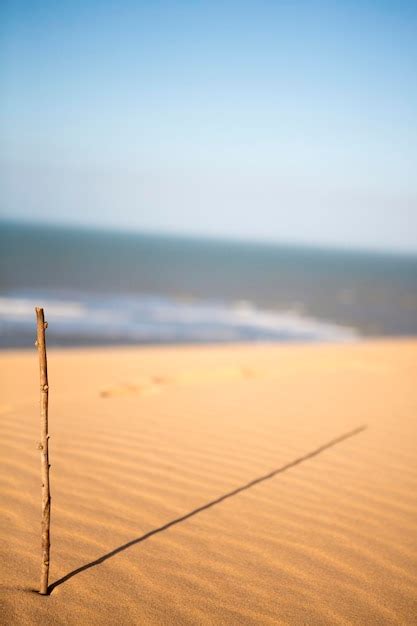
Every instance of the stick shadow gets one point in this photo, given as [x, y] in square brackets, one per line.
[206, 506]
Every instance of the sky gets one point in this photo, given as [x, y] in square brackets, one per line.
[284, 121]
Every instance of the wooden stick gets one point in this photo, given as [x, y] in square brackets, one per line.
[41, 325]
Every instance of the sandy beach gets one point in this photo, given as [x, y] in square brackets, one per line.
[214, 485]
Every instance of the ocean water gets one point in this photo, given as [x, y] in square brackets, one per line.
[101, 287]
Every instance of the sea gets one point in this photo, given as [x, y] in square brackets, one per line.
[105, 287]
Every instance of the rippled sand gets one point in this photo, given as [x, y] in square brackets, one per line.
[216, 485]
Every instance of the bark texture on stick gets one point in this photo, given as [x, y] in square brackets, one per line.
[41, 325]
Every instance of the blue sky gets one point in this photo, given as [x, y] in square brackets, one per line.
[287, 121]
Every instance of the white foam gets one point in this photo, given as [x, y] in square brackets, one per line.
[145, 318]
[24, 307]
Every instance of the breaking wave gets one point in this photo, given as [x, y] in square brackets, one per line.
[77, 319]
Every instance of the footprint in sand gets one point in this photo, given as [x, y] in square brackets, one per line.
[147, 386]
[154, 384]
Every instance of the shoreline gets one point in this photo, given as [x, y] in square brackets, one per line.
[360, 339]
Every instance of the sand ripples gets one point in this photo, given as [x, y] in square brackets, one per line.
[151, 523]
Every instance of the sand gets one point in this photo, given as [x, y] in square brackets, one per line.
[319, 520]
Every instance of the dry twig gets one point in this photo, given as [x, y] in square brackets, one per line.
[43, 447]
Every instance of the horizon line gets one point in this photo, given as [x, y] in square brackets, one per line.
[209, 237]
